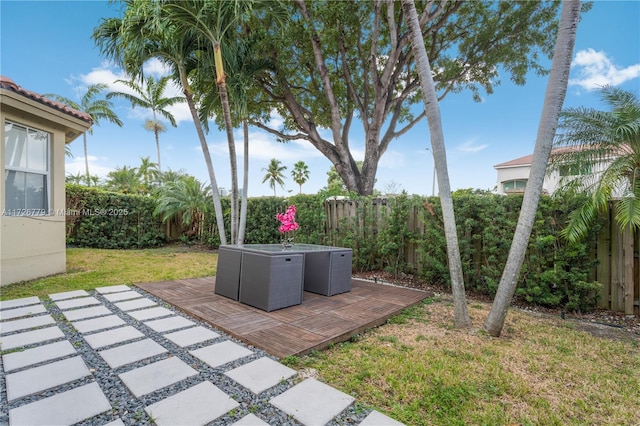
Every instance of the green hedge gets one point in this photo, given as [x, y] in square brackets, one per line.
[101, 219]
[554, 273]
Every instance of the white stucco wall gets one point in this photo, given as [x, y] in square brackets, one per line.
[34, 246]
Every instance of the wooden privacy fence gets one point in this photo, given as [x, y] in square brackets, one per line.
[617, 269]
[617, 251]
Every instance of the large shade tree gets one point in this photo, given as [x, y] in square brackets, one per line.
[98, 109]
[345, 63]
[150, 94]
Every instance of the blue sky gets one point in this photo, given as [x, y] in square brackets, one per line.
[45, 46]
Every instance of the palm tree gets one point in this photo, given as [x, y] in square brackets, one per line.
[124, 179]
[185, 197]
[149, 172]
[300, 173]
[275, 174]
[150, 95]
[432, 110]
[146, 33]
[607, 143]
[218, 21]
[98, 109]
[553, 100]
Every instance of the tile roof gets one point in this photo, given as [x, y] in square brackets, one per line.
[8, 84]
[522, 161]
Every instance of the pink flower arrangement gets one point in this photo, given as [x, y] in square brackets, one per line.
[288, 220]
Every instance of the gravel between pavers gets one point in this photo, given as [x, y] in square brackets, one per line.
[131, 409]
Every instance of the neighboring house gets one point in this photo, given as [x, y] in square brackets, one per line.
[513, 175]
[35, 131]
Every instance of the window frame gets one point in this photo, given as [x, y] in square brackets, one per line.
[515, 188]
[27, 210]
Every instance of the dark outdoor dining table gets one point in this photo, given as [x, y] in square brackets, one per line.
[270, 276]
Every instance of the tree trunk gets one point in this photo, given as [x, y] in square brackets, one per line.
[245, 184]
[226, 112]
[215, 193]
[86, 159]
[553, 100]
[432, 110]
[158, 150]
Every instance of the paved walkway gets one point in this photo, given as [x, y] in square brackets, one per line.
[116, 356]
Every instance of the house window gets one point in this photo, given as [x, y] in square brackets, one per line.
[517, 185]
[26, 170]
[574, 170]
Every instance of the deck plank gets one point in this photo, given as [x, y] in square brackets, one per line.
[313, 325]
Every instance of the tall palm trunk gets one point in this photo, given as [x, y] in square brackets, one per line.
[156, 134]
[215, 193]
[86, 158]
[226, 113]
[245, 183]
[432, 109]
[553, 100]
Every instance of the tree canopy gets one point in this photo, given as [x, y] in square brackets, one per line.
[339, 62]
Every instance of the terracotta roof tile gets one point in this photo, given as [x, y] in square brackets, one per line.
[8, 84]
[522, 161]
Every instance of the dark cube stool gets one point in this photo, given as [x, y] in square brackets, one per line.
[271, 281]
[228, 272]
[328, 272]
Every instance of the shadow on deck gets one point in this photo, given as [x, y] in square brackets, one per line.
[315, 324]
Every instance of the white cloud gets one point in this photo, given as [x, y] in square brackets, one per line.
[471, 147]
[263, 146]
[596, 69]
[391, 159]
[76, 165]
[108, 74]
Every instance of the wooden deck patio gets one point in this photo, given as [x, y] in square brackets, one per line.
[315, 324]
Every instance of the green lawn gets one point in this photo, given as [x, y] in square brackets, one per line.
[417, 368]
[91, 268]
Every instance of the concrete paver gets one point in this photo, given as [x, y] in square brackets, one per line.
[112, 289]
[221, 353]
[131, 305]
[124, 295]
[150, 313]
[111, 337]
[169, 323]
[191, 336]
[83, 313]
[15, 303]
[375, 418]
[25, 323]
[55, 363]
[16, 360]
[33, 380]
[95, 324]
[30, 337]
[24, 311]
[197, 405]
[80, 302]
[131, 352]
[261, 374]
[312, 402]
[158, 375]
[64, 408]
[68, 295]
[250, 420]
